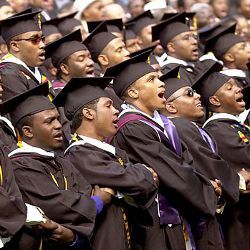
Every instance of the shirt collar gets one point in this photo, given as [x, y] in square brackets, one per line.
[234, 72]
[170, 59]
[26, 148]
[217, 116]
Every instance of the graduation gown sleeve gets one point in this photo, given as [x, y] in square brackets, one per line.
[12, 207]
[72, 207]
[206, 161]
[177, 178]
[103, 169]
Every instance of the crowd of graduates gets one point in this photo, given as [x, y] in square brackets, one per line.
[124, 125]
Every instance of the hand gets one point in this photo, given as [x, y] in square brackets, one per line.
[217, 186]
[104, 195]
[245, 174]
[57, 232]
[155, 175]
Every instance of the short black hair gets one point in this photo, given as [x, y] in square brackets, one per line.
[25, 121]
[78, 117]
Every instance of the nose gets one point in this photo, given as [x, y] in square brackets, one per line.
[126, 53]
[197, 96]
[115, 111]
[58, 125]
[161, 84]
[90, 62]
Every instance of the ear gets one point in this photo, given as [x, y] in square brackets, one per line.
[64, 68]
[88, 113]
[140, 42]
[171, 47]
[103, 60]
[228, 57]
[28, 132]
[53, 71]
[215, 101]
[14, 46]
[133, 93]
[170, 107]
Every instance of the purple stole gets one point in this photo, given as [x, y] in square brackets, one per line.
[208, 139]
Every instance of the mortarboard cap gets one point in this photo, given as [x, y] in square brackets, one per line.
[28, 103]
[49, 27]
[127, 72]
[210, 84]
[166, 30]
[98, 39]
[113, 25]
[129, 32]
[173, 82]
[80, 91]
[66, 24]
[141, 21]
[64, 47]
[20, 23]
[168, 15]
[221, 40]
[151, 59]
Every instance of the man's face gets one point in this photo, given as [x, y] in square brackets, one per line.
[231, 98]
[150, 92]
[94, 12]
[31, 48]
[245, 8]
[116, 52]
[220, 8]
[47, 130]
[80, 64]
[136, 7]
[19, 5]
[146, 36]
[241, 54]
[106, 117]
[132, 45]
[187, 104]
[186, 46]
[242, 27]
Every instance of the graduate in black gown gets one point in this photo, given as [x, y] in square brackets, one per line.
[183, 192]
[224, 98]
[184, 108]
[45, 179]
[18, 69]
[93, 119]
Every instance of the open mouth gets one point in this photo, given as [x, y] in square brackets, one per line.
[161, 95]
[115, 122]
[240, 100]
[195, 52]
[89, 72]
[59, 137]
[42, 56]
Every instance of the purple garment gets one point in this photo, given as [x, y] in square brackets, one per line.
[98, 202]
[208, 139]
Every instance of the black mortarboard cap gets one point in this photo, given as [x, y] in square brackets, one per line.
[80, 91]
[166, 30]
[221, 40]
[98, 39]
[49, 27]
[141, 21]
[20, 23]
[173, 82]
[168, 15]
[211, 84]
[129, 32]
[64, 47]
[4, 3]
[67, 23]
[30, 102]
[113, 25]
[205, 32]
[127, 72]
[151, 59]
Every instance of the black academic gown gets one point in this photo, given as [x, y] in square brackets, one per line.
[211, 165]
[12, 207]
[236, 152]
[41, 180]
[187, 191]
[103, 168]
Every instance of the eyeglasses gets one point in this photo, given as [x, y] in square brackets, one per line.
[34, 40]
[188, 92]
[187, 37]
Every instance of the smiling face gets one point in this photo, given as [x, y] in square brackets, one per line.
[185, 103]
[229, 98]
[148, 93]
[184, 46]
